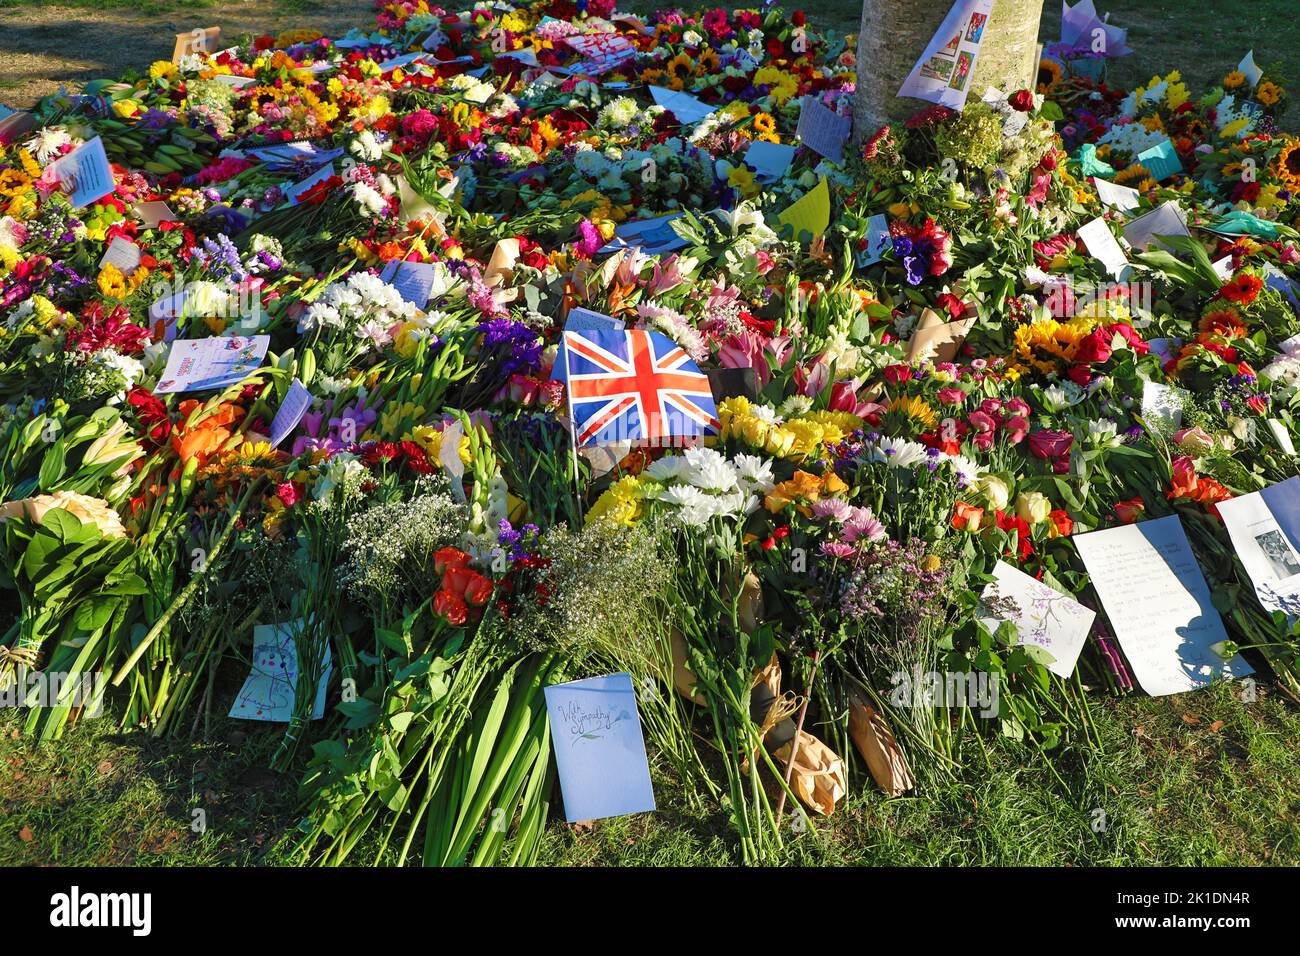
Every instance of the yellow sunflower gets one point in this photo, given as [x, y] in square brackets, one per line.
[1288, 164]
[1234, 80]
[1268, 93]
[764, 123]
[1049, 74]
[919, 414]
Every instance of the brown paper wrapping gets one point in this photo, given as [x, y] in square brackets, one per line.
[937, 340]
[817, 777]
[875, 742]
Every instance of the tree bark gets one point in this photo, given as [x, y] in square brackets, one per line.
[894, 34]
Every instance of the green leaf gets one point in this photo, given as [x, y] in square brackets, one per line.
[62, 523]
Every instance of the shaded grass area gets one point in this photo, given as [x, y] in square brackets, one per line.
[1200, 779]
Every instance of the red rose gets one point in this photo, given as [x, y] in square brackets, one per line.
[1021, 100]
[1050, 444]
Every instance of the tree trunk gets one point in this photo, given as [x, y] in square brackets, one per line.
[895, 33]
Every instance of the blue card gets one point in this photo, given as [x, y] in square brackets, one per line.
[769, 160]
[1161, 160]
[1283, 499]
[599, 749]
[877, 239]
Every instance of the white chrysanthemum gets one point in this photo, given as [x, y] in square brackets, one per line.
[666, 470]
[755, 472]
[47, 143]
[710, 470]
[899, 452]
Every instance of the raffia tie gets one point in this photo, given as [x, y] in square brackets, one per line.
[19, 656]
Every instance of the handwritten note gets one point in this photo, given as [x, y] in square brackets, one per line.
[599, 750]
[1103, 246]
[1043, 616]
[123, 254]
[84, 173]
[269, 691]
[414, 281]
[194, 364]
[1165, 220]
[1115, 196]
[823, 130]
[1159, 605]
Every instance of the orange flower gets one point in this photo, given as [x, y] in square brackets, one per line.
[1129, 510]
[1242, 288]
[208, 435]
[966, 517]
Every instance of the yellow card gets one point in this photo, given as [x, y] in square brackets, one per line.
[811, 213]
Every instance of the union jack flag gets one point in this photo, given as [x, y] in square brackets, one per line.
[634, 385]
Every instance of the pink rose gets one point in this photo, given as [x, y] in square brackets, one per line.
[951, 395]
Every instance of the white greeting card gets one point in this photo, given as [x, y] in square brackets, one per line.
[195, 364]
[1043, 616]
[1104, 247]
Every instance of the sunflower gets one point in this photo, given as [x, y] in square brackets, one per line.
[708, 62]
[1288, 164]
[920, 416]
[764, 123]
[1234, 80]
[1134, 172]
[1049, 74]
[680, 69]
[653, 76]
[1268, 93]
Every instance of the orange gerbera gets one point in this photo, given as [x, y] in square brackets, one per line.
[1241, 288]
[1225, 321]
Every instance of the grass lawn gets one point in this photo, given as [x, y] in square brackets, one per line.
[1197, 779]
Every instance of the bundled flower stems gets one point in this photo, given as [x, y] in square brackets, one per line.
[283, 378]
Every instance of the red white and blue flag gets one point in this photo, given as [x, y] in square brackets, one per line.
[633, 385]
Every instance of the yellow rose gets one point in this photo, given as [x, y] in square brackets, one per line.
[85, 509]
[1033, 507]
[995, 492]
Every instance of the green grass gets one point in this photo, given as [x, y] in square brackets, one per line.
[1176, 788]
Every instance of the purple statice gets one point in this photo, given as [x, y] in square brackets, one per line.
[523, 543]
[898, 583]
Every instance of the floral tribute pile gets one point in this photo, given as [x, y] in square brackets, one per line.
[937, 378]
